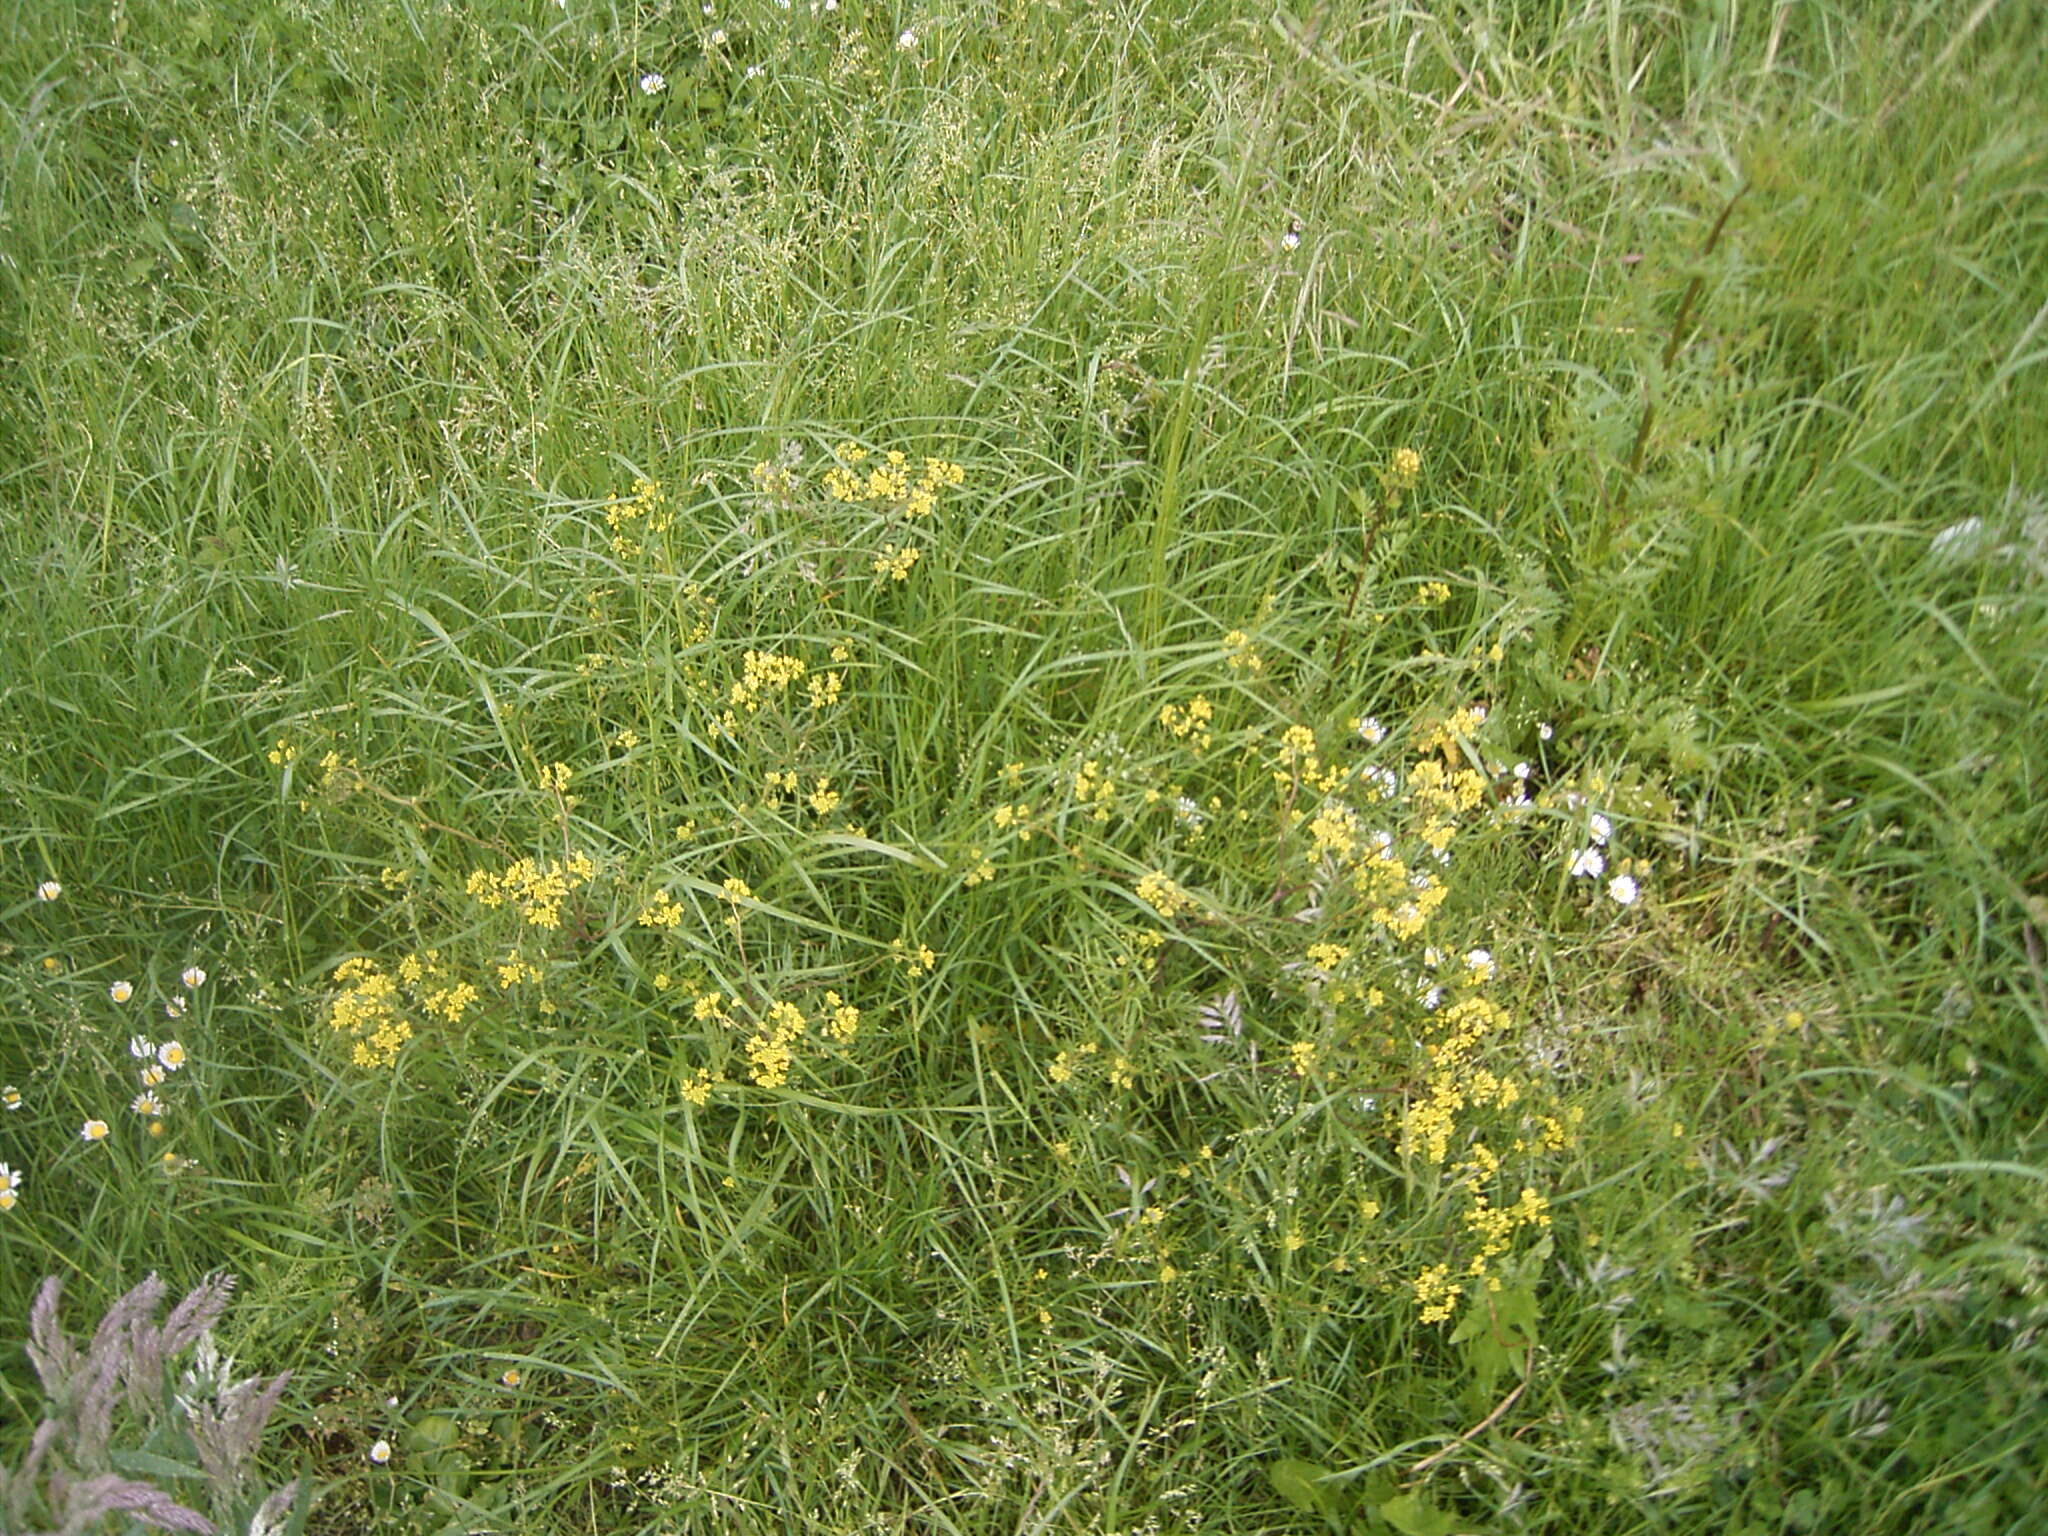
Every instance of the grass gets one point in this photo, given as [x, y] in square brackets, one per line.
[336, 340]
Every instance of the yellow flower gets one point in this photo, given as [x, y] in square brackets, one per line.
[893, 564]
[1159, 892]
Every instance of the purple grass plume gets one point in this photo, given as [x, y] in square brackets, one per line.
[207, 1429]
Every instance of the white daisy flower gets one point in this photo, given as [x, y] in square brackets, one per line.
[49, 890]
[1588, 861]
[652, 84]
[10, 1187]
[1544, 732]
[1623, 889]
[1600, 828]
[717, 40]
[171, 1054]
[193, 977]
[1371, 729]
[10, 1097]
[141, 1048]
[1521, 770]
[906, 40]
[147, 1104]
[175, 1008]
[121, 991]
[152, 1075]
[381, 1452]
[1480, 963]
[1291, 240]
[93, 1130]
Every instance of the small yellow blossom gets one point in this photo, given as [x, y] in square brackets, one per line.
[893, 564]
[1166, 898]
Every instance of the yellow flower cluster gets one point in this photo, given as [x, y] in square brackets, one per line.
[777, 480]
[1066, 1063]
[770, 1051]
[893, 564]
[1436, 1293]
[643, 511]
[1093, 787]
[370, 1011]
[1163, 896]
[915, 962]
[1494, 1227]
[1015, 818]
[772, 1042]
[841, 1019]
[764, 677]
[889, 482]
[512, 970]
[1189, 722]
[663, 911]
[536, 889]
[1242, 654]
[824, 688]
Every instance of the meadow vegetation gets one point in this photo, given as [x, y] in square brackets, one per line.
[1082, 767]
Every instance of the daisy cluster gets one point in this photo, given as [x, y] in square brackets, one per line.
[157, 1062]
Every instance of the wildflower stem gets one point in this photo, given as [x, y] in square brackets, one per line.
[1371, 532]
[1528, 1367]
[1677, 336]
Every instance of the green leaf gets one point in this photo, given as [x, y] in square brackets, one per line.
[147, 1464]
[1413, 1515]
[1299, 1483]
[434, 1432]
